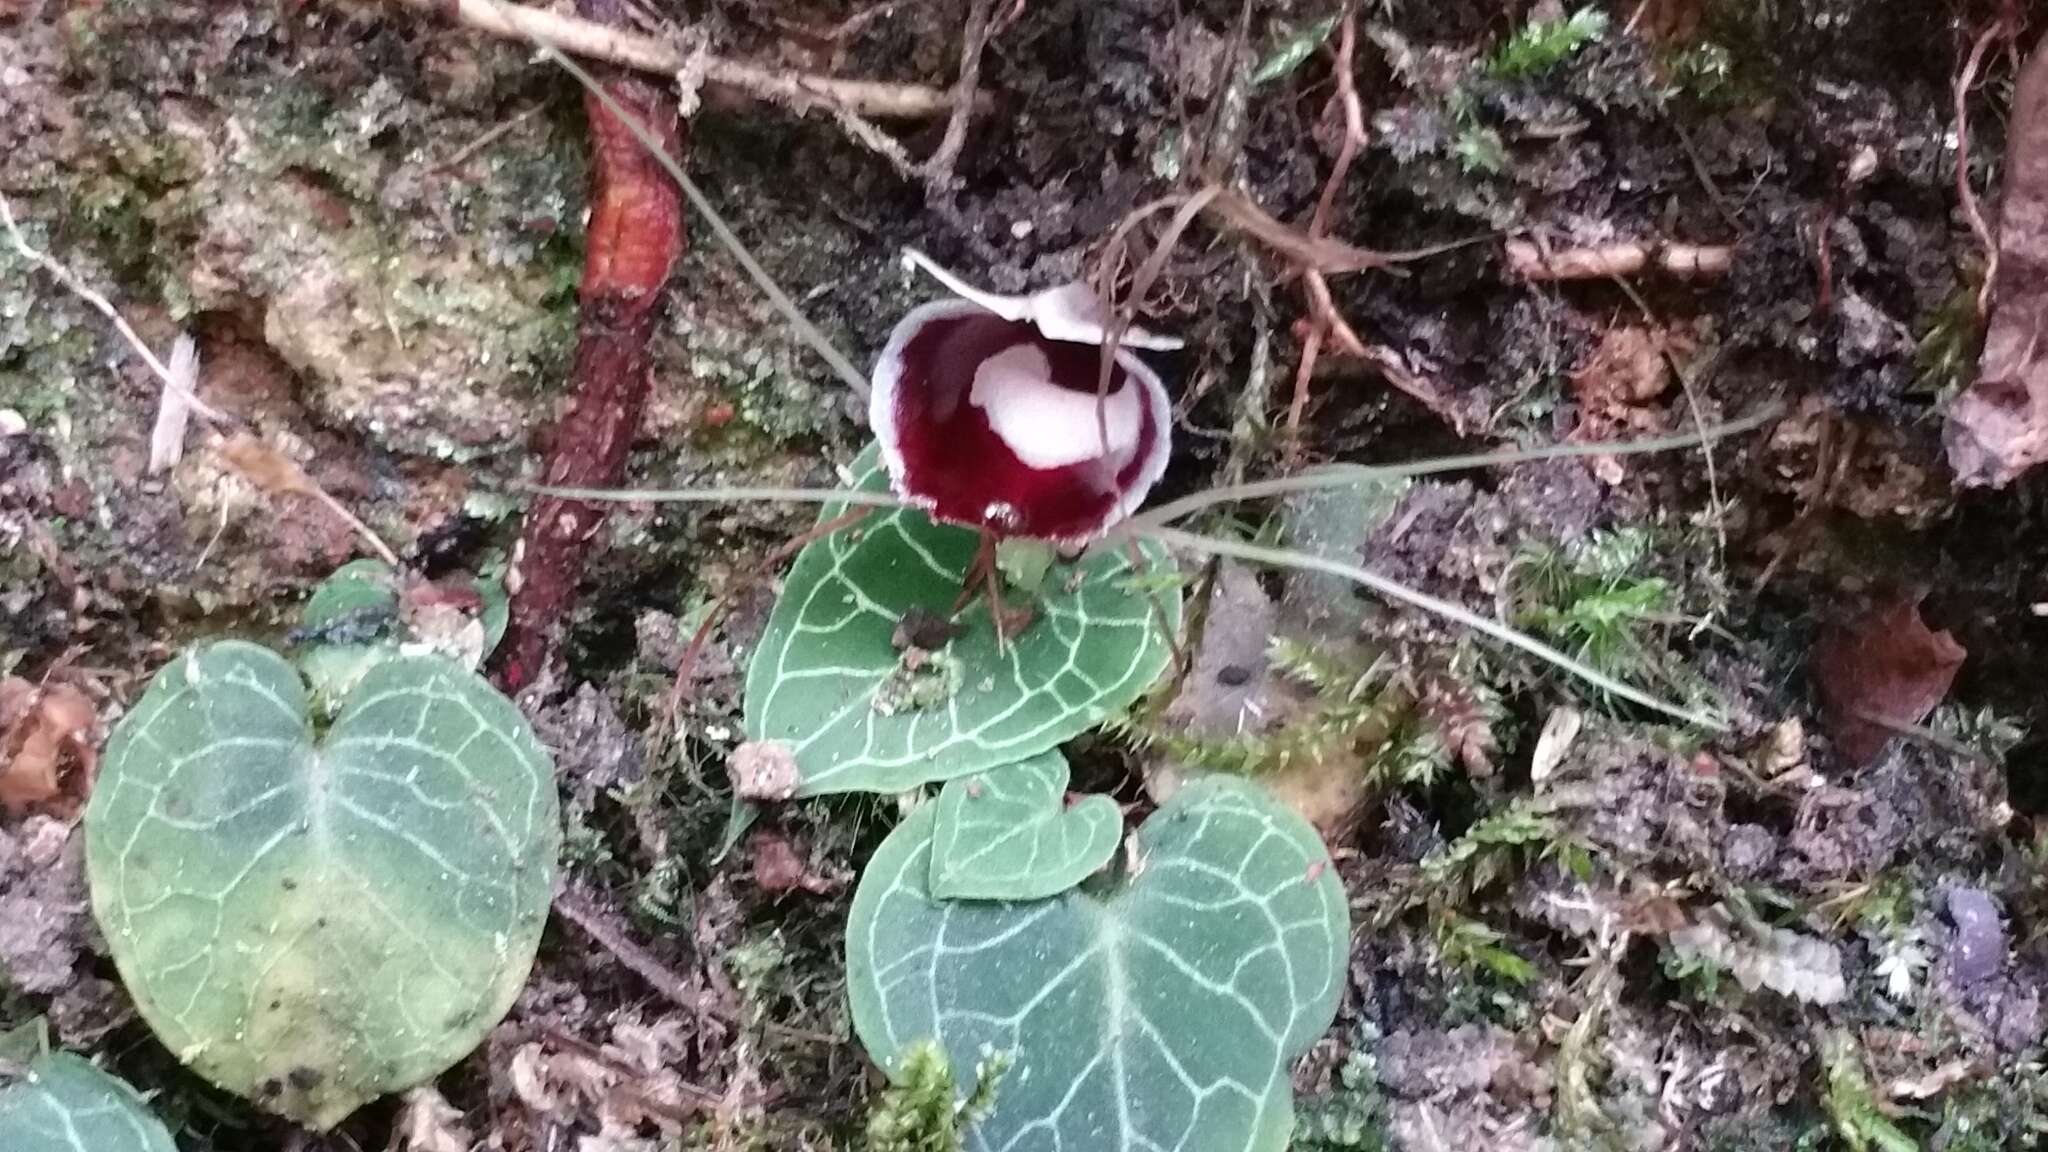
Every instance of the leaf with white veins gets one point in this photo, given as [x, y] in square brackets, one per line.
[862, 716]
[316, 919]
[65, 1104]
[1161, 1013]
[1009, 834]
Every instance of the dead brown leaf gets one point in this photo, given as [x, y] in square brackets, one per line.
[1884, 671]
[1626, 370]
[266, 467]
[779, 867]
[47, 747]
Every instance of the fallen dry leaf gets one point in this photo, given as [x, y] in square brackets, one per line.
[428, 1123]
[1618, 389]
[778, 867]
[1560, 730]
[265, 466]
[1626, 370]
[1999, 427]
[47, 750]
[1884, 671]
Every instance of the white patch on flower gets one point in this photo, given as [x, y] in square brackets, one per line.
[1066, 312]
[1048, 426]
[1002, 514]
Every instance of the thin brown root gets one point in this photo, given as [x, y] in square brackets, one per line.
[1304, 371]
[1332, 257]
[938, 170]
[1354, 128]
[1388, 362]
[1966, 196]
[1323, 317]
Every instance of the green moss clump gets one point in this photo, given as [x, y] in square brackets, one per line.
[918, 1113]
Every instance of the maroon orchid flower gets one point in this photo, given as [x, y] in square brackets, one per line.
[988, 414]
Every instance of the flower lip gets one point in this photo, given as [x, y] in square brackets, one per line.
[987, 413]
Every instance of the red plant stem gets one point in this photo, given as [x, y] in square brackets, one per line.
[635, 237]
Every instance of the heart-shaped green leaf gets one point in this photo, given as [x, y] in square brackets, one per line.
[65, 1104]
[316, 920]
[1161, 1014]
[863, 715]
[1009, 834]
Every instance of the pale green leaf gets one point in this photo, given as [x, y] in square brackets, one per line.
[1009, 834]
[827, 681]
[1161, 1013]
[65, 1104]
[314, 920]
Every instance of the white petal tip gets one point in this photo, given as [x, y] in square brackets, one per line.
[1071, 313]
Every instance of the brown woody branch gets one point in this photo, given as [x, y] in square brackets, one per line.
[592, 40]
[634, 239]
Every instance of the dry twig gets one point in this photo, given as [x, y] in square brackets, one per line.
[611, 936]
[797, 90]
[1533, 261]
[644, 964]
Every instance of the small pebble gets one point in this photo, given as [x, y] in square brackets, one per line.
[12, 423]
[1978, 950]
